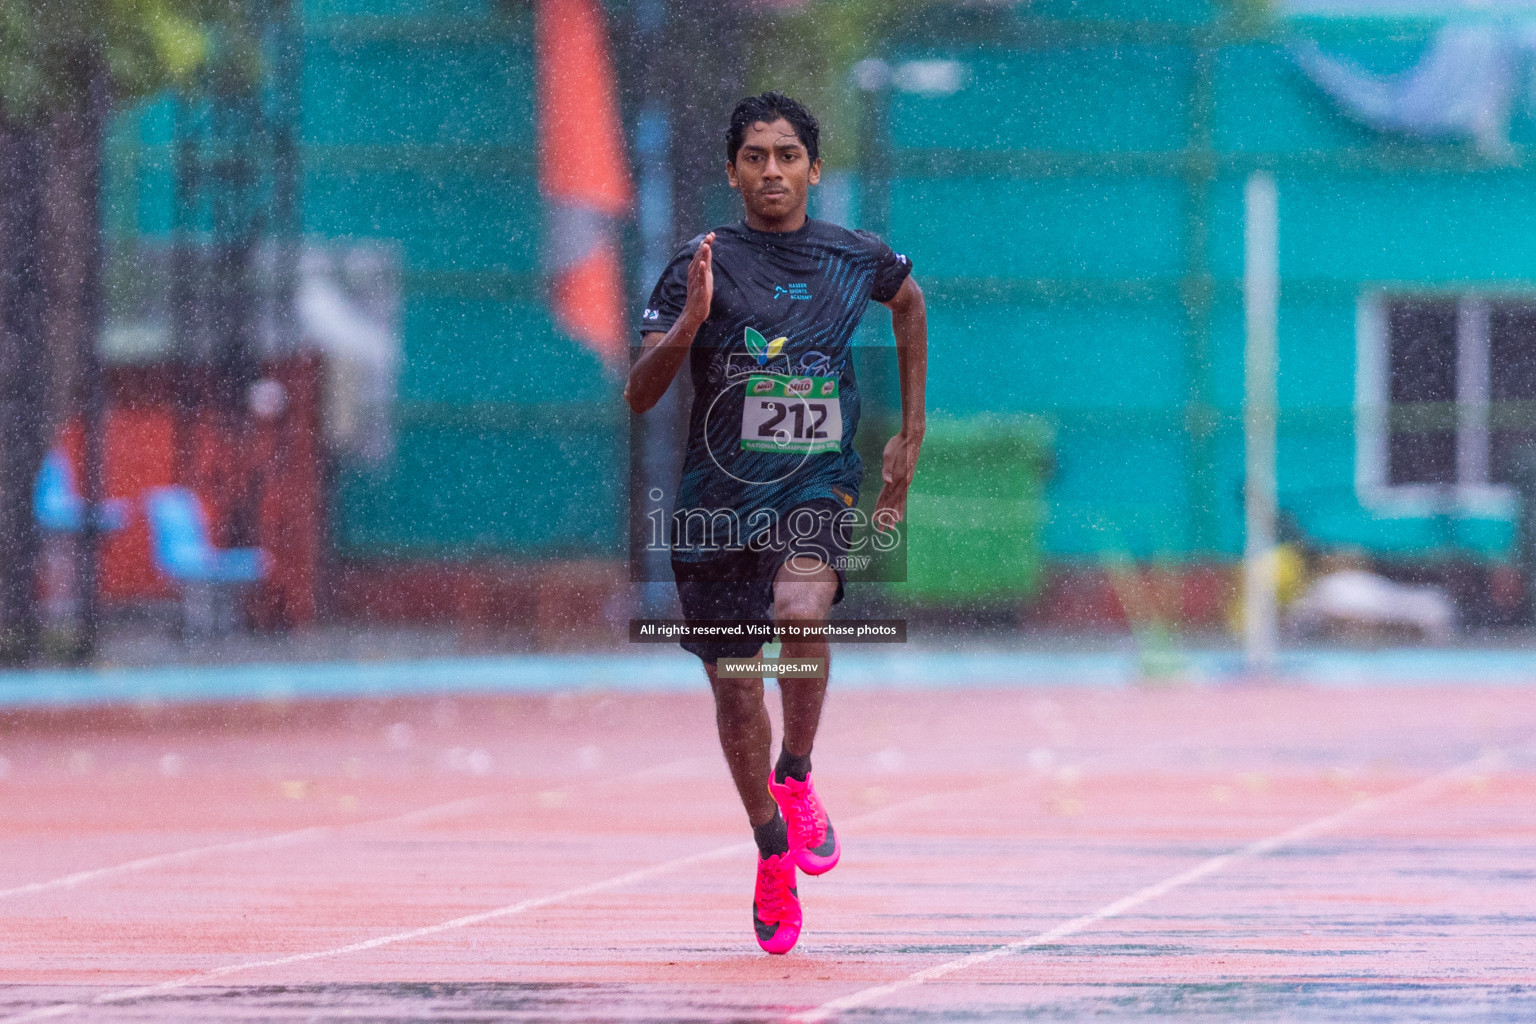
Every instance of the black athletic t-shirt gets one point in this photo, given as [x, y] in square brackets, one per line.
[775, 402]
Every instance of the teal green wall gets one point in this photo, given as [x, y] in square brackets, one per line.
[424, 132]
[1075, 214]
[419, 128]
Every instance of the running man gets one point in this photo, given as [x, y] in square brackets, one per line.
[764, 312]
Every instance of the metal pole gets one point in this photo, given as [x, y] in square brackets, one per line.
[23, 359]
[1261, 302]
[92, 377]
[655, 441]
[186, 271]
[287, 211]
[1197, 301]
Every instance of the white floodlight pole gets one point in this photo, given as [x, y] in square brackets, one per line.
[1261, 306]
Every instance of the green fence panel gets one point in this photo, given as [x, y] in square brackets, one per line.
[478, 483]
[404, 9]
[1077, 222]
[1264, 104]
[1067, 355]
[518, 358]
[419, 128]
[1078, 98]
[975, 511]
[1021, 227]
[1156, 12]
[367, 91]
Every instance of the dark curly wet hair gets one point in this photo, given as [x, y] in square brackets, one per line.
[771, 106]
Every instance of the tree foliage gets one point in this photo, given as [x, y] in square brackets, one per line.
[145, 44]
[807, 51]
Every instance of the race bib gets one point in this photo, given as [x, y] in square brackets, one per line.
[794, 415]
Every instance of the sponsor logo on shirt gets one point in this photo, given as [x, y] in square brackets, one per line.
[763, 349]
[650, 314]
[792, 291]
[730, 366]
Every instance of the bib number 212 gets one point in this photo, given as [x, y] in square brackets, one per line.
[793, 415]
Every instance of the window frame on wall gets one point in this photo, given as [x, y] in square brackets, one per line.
[1473, 492]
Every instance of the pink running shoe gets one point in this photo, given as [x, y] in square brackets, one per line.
[812, 842]
[776, 904]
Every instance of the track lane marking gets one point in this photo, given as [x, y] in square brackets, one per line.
[281, 839]
[1214, 865]
[869, 817]
[161, 859]
[511, 909]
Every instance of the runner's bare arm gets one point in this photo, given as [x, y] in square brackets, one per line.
[652, 373]
[909, 322]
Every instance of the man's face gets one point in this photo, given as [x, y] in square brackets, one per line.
[773, 172]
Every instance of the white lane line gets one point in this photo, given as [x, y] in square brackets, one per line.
[259, 843]
[516, 908]
[163, 859]
[522, 906]
[176, 857]
[451, 809]
[668, 770]
[1205, 869]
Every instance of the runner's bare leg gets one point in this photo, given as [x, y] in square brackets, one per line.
[741, 714]
[746, 739]
[807, 596]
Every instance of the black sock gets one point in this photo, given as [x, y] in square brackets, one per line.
[772, 836]
[796, 768]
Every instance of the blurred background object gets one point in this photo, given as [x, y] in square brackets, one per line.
[364, 272]
[976, 512]
[1068, 179]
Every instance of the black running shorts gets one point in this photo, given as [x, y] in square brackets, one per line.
[738, 585]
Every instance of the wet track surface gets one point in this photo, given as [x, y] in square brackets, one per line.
[579, 858]
[532, 1002]
[1349, 1000]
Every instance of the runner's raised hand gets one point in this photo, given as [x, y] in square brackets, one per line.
[701, 283]
[652, 373]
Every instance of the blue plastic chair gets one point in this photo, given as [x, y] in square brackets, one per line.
[181, 548]
[209, 577]
[58, 506]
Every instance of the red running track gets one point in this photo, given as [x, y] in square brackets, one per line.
[1234, 854]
